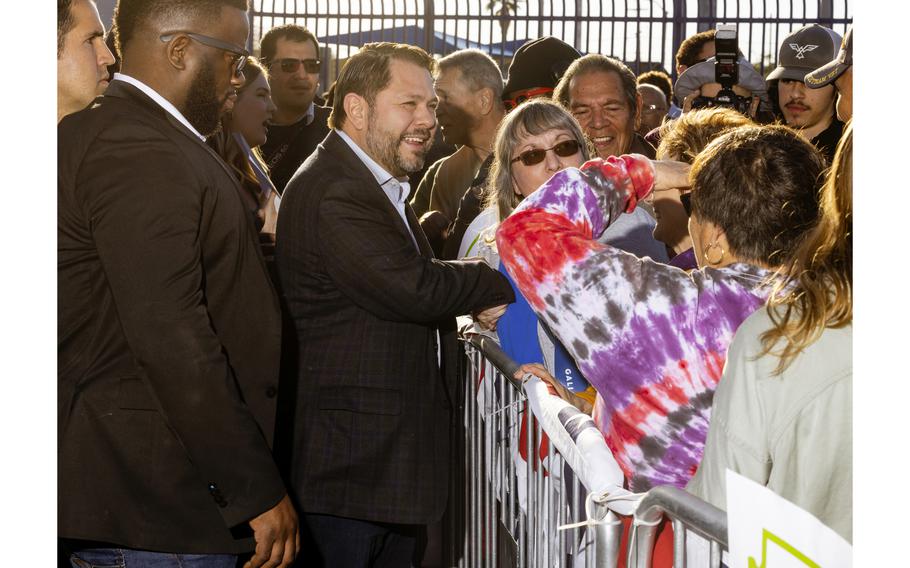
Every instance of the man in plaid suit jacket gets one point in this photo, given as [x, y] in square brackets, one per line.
[370, 435]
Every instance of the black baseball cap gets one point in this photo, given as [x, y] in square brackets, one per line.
[805, 50]
[828, 73]
[539, 63]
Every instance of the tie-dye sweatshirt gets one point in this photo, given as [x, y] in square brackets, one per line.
[649, 337]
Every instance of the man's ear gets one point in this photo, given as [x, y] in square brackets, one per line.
[357, 111]
[177, 51]
[485, 97]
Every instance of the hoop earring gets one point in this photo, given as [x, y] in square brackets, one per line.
[711, 246]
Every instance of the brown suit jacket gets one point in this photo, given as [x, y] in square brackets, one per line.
[168, 337]
[371, 430]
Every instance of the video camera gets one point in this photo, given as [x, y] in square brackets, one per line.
[726, 72]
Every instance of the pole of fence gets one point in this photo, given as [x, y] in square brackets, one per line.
[529, 493]
[607, 536]
[702, 518]
[716, 554]
[429, 25]
[469, 456]
[466, 416]
[679, 544]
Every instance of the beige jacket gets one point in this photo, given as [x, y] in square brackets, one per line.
[793, 432]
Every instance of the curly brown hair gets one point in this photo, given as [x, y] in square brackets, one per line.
[682, 139]
[760, 185]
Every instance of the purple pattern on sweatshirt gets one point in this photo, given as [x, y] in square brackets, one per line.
[649, 337]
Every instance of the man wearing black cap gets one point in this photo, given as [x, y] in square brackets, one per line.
[809, 111]
[536, 68]
[840, 72]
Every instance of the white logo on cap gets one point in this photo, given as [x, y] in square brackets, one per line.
[801, 49]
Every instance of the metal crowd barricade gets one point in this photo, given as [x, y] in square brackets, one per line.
[518, 490]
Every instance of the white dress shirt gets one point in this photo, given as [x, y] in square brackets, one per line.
[396, 189]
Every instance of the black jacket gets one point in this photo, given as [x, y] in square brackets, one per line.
[168, 337]
[371, 431]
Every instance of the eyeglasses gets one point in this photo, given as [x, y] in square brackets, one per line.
[686, 199]
[519, 97]
[564, 149]
[291, 65]
[650, 109]
[240, 55]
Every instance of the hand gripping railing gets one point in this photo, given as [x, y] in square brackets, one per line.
[513, 503]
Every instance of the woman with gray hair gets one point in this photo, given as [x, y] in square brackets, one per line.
[536, 140]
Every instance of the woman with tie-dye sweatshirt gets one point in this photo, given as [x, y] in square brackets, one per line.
[649, 337]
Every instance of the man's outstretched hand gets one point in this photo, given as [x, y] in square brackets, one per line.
[277, 537]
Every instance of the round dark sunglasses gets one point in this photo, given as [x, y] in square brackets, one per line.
[564, 149]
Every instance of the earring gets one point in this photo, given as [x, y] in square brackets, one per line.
[718, 247]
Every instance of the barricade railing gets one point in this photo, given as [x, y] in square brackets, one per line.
[535, 496]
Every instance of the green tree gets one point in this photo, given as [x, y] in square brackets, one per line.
[504, 9]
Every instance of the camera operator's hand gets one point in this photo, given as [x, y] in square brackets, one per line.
[687, 102]
[753, 108]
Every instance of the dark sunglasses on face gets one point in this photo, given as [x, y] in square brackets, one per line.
[291, 65]
[527, 94]
[240, 55]
[564, 149]
[686, 199]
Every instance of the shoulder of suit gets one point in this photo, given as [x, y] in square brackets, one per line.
[117, 117]
[325, 172]
[109, 122]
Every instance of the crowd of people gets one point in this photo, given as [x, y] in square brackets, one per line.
[258, 282]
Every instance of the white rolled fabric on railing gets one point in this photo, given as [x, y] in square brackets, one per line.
[581, 445]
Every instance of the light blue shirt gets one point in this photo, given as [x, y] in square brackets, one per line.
[396, 189]
[310, 114]
[163, 102]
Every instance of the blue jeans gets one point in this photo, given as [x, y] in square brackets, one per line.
[129, 558]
